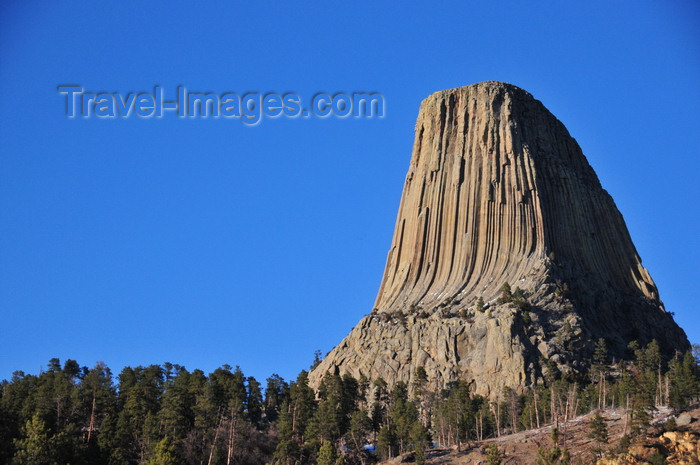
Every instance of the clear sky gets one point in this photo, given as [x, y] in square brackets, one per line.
[207, 242]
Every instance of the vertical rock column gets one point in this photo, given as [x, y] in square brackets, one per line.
[498, 191]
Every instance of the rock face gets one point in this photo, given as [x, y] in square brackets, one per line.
[498, 192]
[681, 448]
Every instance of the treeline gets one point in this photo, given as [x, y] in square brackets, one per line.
[154, 415]
[638, 386]
[167, 415]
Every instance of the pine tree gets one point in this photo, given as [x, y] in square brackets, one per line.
[35, 447]
[506, 294]
[254, 402]
[640, 416]
[420, 380]
[493, 455]
[419, 438]
[684, 383]
[175, 415]
[165, 454]
[600, 353]
[598, 431]
[295, 415]
[423, 396]
[386, 443]
[403, 414]
[553, 455]
[358, 435]
[379, 404]
[456, 416]
[98, 397]
[275, 391]
[327, 454]
[519, 298]
[204, 415]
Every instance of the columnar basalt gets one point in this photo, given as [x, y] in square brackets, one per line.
[498, 192]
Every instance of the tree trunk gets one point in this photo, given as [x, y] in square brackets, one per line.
[91, 427]
[627, 415]
[605, 393]
[553, 406]
[513, 412]
[216, 436]
[231, 436]
[481, 426]
[497, 414]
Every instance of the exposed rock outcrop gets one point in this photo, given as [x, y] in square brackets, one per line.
[681, 448]
[498, 192]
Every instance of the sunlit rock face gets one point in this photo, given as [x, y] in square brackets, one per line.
[498, 192]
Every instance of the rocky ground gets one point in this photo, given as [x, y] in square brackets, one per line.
[680, 447]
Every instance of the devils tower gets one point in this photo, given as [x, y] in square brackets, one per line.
[497, 193]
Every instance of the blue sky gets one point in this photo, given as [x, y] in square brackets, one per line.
[207, 242]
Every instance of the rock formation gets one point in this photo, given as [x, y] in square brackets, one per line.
[498, 192]
[680, 448]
